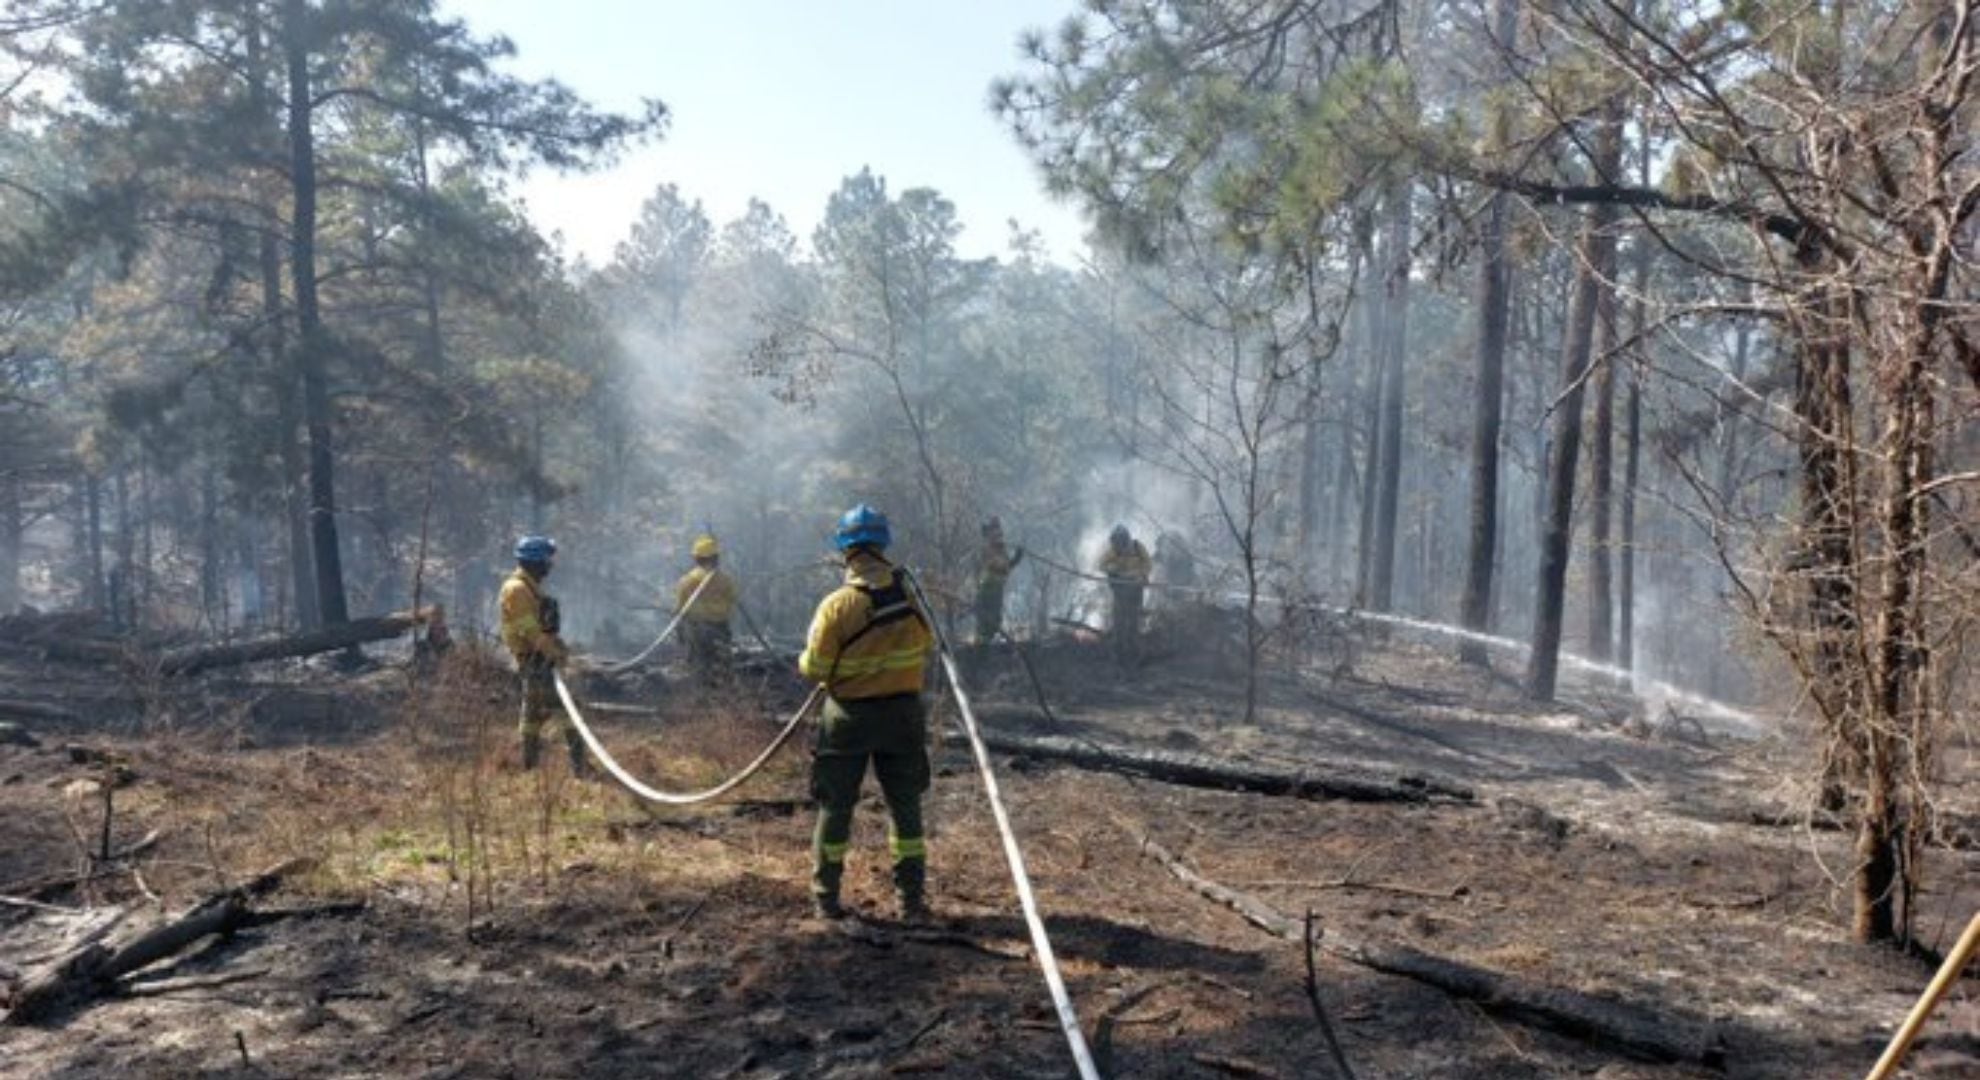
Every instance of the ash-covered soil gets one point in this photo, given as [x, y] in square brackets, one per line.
[519, 925]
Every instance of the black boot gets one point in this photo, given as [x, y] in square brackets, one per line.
[580, 765]
[911, 882]
[532, 751]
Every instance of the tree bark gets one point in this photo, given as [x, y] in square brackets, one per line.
[123, 595]
[1602, 471]
[1394, 335]
[1632, 465]
[1596, 257]
[313, 347]
[212, 557]
[284, 378]
[1729, 431]
[12, 534]
[1494, 311]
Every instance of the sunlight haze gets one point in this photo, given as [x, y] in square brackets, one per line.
[780, 99]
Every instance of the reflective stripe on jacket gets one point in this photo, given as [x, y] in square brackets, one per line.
[718, 600]
[1129, 567]
[522, 624]
[860, 652]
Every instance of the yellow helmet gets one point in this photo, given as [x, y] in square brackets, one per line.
[705, 547]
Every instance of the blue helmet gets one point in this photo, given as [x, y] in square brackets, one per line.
[535, 549]
[863, 526]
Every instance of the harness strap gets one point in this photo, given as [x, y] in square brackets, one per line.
[890, 605]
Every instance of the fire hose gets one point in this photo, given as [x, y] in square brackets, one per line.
[1055, 983]
[1041, 943]
[651, 794]
[620, 667]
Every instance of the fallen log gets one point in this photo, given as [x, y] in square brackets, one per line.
[37, 888]
[95, 968]
[189, 661]
[1950, 828]
[154, 987]
[70, 651]
[1197, 770]
[36, 710]
[1627, 1028]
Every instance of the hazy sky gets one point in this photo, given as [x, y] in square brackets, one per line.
[780, 99]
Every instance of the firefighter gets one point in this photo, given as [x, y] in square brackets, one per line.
[1127, 566]
[868, 646]
[1176, 561]
[705, 626]
[530, 627]
[994, 568]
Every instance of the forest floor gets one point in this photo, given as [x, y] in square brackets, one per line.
[530, 925]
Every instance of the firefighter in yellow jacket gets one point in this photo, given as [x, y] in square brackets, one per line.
[993, 571]
[868, 645]
[705, 624]
[1127, 566]
[530, 629]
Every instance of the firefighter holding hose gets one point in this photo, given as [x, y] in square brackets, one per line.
[531, 631]
[705, 622]
[868, 646]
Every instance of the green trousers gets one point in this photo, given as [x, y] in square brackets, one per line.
[1125, 622]
[710, 649]
[540, 707]
[989, 610]
[892, 734]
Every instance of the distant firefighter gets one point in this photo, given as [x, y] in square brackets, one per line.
[531, 625]
[1175, 561]
[705, 625]
[993, 571]
[1127, 567]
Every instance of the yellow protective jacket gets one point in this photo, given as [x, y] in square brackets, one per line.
[1129, 567]
[996, 565]
[869, 639]
[522, 623]
[718, 600]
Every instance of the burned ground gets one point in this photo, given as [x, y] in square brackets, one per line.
[533, 925]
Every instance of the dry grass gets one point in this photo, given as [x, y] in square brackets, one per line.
[441, 810]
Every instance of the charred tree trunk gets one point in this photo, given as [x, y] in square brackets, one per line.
[123, 595]
[212, 556]
[343, 635]
[1595, 270]
[1602, 471]
[1826, 561]
[285, 380]
[1726, 480]
[1494, 312]
[1632, 466]
[1198, 770]
[13, 528]
[1310, 472]
[1372, 317]
[1899, 734]
[313, 348]
[93, 524]
[1394, 335]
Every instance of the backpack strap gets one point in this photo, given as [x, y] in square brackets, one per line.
[890, 605]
